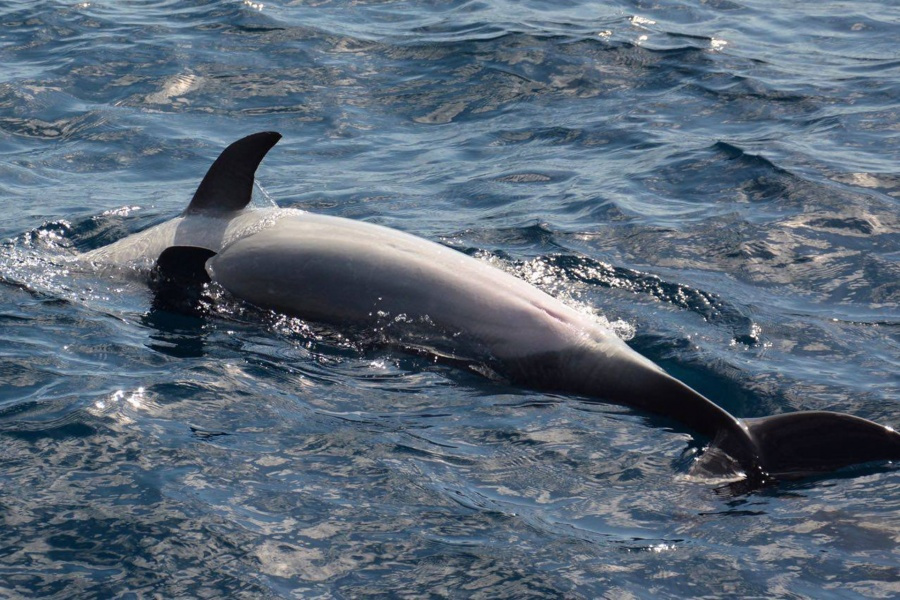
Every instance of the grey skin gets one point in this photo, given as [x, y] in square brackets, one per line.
[349, 273]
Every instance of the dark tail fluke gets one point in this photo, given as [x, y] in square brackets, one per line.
[758, 451]
[799, 444]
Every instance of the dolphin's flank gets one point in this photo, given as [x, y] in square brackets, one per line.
[345, 272]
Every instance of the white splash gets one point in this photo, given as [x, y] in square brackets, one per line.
[641, 21]
[174, 87]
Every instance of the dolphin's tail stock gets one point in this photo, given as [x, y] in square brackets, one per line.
[758, 450]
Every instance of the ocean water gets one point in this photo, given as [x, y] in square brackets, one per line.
[719, 180]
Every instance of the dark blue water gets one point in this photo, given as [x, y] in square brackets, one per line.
[719, 180]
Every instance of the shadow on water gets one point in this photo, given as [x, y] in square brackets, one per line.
[181, 303]
[175, 334]
[178, 318]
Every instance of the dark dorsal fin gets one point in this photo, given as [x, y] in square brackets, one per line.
[228, 184]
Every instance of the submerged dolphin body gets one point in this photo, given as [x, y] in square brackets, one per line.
[344, 272]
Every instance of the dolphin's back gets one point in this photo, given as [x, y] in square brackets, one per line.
[340, 271]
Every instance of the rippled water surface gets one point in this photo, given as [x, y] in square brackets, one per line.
[717, 179]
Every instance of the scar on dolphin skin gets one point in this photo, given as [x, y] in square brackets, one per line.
[343, 272]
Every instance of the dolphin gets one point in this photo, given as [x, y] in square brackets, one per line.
[346, 273]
